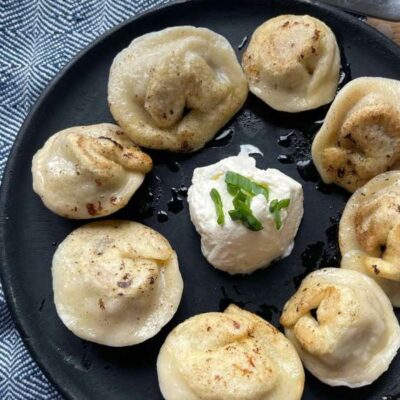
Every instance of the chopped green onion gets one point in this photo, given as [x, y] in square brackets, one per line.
[241, 197]
[242, 211]
[236, 215]
[275, 207]
[236, 182]
[219, 207]
[246, 217]
[284, 203]
[272, 205]
[232, 189]
[243, 190]
[277, 218]
[253, 223]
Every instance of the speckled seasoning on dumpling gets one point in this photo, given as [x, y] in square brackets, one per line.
[369, 232]
[360, 136]
[234, 355]
[343, 327]
[175, 88]
[292, 63]
[88, 171]
[116, 283]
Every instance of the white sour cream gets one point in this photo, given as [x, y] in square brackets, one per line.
[232, 247]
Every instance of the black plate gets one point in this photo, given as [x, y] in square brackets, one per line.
[30, 233]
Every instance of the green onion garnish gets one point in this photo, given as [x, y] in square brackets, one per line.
[219, 207]
[243, 190]
[236, 182]
[275, 207]
[245, 216]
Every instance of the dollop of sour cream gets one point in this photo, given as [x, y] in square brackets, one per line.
[231, 246]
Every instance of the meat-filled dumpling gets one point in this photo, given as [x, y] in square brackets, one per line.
[88, 171]
[343, 327]
[174, 89]
[234, 355]
[360, 137]
[116, 283]
[369, 232]
[292, 63]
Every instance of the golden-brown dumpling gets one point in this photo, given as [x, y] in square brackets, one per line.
[174, 89]
[116, 283]
[292, 63]
[88, 171]
[343, 327]
[360, 137]
[234, 355]
[369, 232]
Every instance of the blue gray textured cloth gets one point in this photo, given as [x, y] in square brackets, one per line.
[37, 38]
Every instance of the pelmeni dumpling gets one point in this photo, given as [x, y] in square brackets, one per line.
[343, 327]
[88, 171]
[369, 232]
[234, 355]
[292, 63]
[360, 137]
[116, 283]
[174, 89]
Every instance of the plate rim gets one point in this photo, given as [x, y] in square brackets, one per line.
[5, 267]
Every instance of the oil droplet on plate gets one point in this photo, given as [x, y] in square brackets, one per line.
[307, 170]
[162, 216]
[173, 165]
[285, 140]
[223, 139]
[243, 43]
[175, 205]
[268, 311]
[183, 191]
[285, 158]
[227, 300]
[310, 259]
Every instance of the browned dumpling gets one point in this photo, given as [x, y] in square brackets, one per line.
[234, 355]
[343, 327]
[88, 171]
[369, 233]
[116, 283]
[174, 89]
[360, 137]
[292, 63]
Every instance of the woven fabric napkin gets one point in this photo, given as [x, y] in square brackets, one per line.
[37, 38]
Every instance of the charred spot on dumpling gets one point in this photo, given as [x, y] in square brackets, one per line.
[81, 171]
[92, 210]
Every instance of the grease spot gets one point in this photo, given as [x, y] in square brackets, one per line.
[162, 216]
[221, 140]
[175, 204]
[243, 42]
